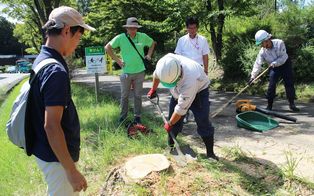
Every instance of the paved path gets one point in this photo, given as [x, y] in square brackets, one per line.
[272, 146]
[8, 81]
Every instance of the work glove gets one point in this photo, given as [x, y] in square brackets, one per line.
[167, 127]
[250, 81]
[151, 93]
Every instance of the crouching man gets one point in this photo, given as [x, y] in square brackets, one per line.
[188, 85]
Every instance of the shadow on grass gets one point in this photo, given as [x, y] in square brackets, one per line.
[254, 176]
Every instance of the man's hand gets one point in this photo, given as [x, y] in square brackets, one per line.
[167, 127]
[148, 57]
[250, 81]
[272, 65]
[151, 93]
[77, 180]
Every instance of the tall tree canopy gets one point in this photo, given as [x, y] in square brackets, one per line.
[9, 44]
[33, 14]
[159, 18]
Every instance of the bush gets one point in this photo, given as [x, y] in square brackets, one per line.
[248, 57]
[239, 49]
[303, 65]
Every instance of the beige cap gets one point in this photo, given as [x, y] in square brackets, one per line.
[61, 16]
[132, 22]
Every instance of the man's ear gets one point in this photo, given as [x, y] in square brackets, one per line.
[66, 30]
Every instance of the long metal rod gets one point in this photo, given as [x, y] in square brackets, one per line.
[177, 146]
[220, 109]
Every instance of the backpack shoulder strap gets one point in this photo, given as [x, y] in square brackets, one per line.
[44, 63]
[132, 43]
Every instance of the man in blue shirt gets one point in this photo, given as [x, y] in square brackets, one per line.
[54, 119]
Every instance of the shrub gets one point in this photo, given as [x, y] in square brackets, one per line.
[248, 57]
[303, 64]
[239, 49]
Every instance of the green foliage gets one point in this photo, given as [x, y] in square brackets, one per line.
[158, 18]
[293, 25]
[33, 14]
[163, 20]
[22, 33]
[8, 43]
[303, 65]
[248, 56]
[239, 48]
[75, 62]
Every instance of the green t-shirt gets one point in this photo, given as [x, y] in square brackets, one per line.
[132, 61]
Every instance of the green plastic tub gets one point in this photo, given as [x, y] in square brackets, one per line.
[255, 121]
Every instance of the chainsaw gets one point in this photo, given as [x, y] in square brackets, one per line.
[246, 105]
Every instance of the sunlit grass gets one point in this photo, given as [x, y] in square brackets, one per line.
[19, 174]
[105, 142]
[104, 145]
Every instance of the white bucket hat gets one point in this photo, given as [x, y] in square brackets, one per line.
[64, 15]
[132, 22]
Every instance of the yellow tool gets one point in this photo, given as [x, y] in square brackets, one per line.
[244, 105]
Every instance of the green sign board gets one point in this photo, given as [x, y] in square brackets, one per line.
[95, 59]
[98, 50]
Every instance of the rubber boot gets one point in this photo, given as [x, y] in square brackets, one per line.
[292, 106]
[209, 143]
[270, 104]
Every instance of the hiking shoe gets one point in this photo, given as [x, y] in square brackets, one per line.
[269, 107]
[212, 157]
[171, 150]
[293, 108]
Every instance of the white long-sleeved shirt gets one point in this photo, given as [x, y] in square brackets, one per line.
[192, 81]
[277, 56]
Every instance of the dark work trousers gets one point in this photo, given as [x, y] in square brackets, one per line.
[284, 71]
[200, 109]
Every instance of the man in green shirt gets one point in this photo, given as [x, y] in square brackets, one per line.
[132, 64]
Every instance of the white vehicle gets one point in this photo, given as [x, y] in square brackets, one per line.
[11, 69]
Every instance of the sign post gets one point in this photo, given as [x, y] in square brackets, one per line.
[95, 64]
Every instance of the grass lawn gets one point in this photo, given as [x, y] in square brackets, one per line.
[105, 145]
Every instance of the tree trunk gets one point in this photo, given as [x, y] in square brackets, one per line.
[216, 38]
[221, 22]
[44, 8]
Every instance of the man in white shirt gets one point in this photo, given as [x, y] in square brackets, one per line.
[273, 52]
[193, 46]
[188, 85]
